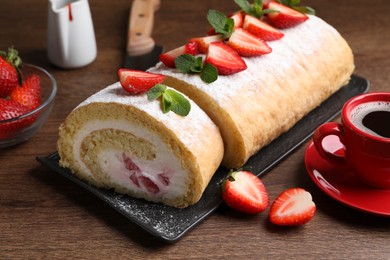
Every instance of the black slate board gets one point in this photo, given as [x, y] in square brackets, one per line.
[170, 224]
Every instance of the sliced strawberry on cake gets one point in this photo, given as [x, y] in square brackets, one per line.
[261, 29]
[292, 207]
[284, 16]
[137, 82]
[246, 44]
[245, 192]
[168, 58]
[225, 59]
[204, 42]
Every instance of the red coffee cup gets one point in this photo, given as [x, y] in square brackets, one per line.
[364, 133]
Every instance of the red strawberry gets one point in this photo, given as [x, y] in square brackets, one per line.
[261, 29]
[168, 58]
[292, 207]
[204, 42]
[136, 81]
[245, 192]
[11, 109]
[246, 44]
[225, 59]
[10, 76]
[285, 17]
[30, 92]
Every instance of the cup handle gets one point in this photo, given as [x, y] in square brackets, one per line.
[323, 131]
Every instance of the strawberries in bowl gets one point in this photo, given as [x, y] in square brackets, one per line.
[26, 107]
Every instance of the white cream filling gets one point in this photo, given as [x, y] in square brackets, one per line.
[111, 161]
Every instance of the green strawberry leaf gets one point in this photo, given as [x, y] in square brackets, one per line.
[255, 9]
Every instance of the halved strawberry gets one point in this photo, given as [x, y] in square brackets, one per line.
[168, 58]
[136, 81]
[261, 29]
[292, 207]
[204, 42]
[29, 94]
[285, 17]
[246, 44]
[245, 192]
[224, 58]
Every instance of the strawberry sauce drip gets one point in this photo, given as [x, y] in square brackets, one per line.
[70, 12]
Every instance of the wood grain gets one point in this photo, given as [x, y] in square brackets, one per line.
[45, 216]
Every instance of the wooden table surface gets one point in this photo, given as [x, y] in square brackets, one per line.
[43, 215]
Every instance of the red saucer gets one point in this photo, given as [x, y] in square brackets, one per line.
[341, 184]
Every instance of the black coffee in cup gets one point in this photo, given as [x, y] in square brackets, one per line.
[372, 118]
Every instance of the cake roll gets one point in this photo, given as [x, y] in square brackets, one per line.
[117, 140]
[255, 106]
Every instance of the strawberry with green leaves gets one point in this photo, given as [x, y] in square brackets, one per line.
[292, 207]
[10, 75]
[29, 94]
[244, 192]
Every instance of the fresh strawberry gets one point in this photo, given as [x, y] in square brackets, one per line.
[285, 17]
[29, 94]
[238, 19]
[245, 192]
[136, 81]
[168, 58]
[246, 44]
[204, 42]
[261, 29]
[11, 109]
[224, 58]
[292, 207]
[10, 75]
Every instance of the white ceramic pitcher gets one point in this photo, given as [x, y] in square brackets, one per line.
[71, 37]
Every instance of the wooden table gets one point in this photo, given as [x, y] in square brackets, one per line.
[42, 215]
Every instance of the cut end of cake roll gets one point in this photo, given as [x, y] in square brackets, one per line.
[125, 142]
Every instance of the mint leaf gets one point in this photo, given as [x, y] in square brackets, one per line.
[156, 91]
[187, 63]
[209, 73]
[255, 9]
[171, 100]
[305, 9]
[221, 23]
[179, 104]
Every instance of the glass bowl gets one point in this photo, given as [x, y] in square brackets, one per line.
[38, 115]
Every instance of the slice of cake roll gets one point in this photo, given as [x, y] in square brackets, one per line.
[253, 107]
[122, 141]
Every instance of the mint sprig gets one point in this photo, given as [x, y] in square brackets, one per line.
[255, 9]
[294, 5]
[171, 100]
[221, 23]
[189, 64]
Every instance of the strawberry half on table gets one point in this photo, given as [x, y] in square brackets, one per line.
[292, 207]
[245, 192]
[285, 17]
[138, 82]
